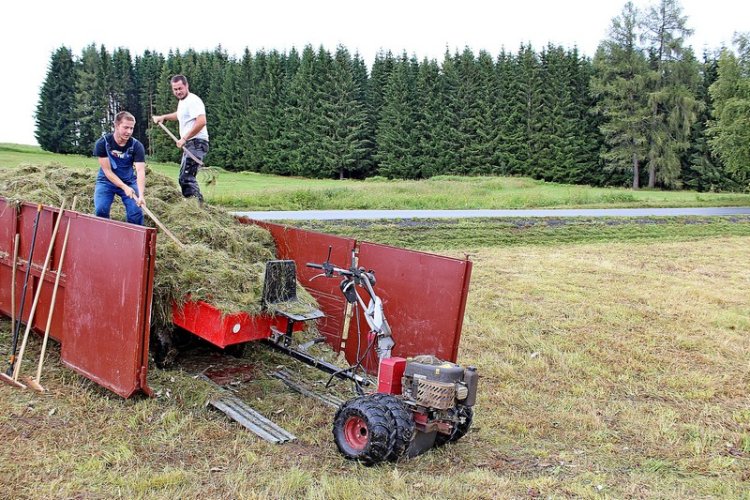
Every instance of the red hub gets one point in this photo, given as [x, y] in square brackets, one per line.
[355, 432]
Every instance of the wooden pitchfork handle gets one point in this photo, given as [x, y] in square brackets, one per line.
[30, 321]
[162, 226]
[186, 150]
[34, 382]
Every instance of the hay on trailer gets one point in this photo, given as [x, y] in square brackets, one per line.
[222, 263]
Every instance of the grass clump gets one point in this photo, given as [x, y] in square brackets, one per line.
[223, 261]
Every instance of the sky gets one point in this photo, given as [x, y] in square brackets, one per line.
[32, 29]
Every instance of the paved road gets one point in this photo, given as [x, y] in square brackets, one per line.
[461, 214]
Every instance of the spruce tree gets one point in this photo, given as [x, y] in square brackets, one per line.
[430, 111]
[674, 107]
[56, 126]
[397, 127]
[345, 119]
[91, 102]
[705, 171]
[146, 72]
[303, 131]
[729, 130]
[382, 67]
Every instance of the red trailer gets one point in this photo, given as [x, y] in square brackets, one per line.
[103, 310]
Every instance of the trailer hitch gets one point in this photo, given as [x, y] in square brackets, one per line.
[280, 341]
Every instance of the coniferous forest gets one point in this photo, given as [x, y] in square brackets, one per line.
[645, 111]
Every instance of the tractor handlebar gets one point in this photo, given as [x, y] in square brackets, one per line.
[357, 274]
[329, 269]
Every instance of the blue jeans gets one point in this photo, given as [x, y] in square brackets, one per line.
[104, 194]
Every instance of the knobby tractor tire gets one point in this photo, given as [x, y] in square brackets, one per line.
[466, 415]
[364, 430]
[404, 421]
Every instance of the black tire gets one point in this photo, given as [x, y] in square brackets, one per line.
[466, 415]
[364, 430]
[404, 421]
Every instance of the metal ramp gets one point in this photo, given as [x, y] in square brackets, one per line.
[239, 411]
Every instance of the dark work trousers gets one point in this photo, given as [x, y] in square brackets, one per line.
[189, 168]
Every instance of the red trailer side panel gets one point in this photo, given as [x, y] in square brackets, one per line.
[103, 303]
[110, 269]
[424, 295]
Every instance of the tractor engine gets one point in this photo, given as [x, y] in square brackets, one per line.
[440, 395]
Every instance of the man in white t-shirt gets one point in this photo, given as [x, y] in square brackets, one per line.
[191, 114]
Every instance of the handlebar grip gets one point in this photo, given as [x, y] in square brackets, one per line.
[315, 266]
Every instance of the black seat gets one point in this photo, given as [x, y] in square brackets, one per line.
[280, 288]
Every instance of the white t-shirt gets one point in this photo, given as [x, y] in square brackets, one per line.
[188, 109]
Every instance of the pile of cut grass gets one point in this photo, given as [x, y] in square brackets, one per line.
[223, 262]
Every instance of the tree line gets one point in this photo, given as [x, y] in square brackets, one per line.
[644, 111]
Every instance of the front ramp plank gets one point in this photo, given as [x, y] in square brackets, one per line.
[252, 420]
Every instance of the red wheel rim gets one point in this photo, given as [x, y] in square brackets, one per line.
[355, 433]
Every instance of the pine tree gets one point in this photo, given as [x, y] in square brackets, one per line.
[620, 84]
[56, 127]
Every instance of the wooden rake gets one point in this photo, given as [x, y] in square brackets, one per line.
[30, 321]
[186, 150]
[34, 382]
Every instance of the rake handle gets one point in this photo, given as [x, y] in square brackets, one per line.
[32, 312]
[52, 301]
[162, 226]
[186, 150]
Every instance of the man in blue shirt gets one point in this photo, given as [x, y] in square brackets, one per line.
[122, 159]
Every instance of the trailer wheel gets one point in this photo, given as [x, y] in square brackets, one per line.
[466, 415]
[363, 430]
[404, 421]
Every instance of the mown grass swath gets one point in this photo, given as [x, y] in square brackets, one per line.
[609, 368]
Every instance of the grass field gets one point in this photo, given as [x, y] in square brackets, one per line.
[615, 370]
[613, 353]
[251, 191]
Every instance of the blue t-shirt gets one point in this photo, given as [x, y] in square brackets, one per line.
[121, 158]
